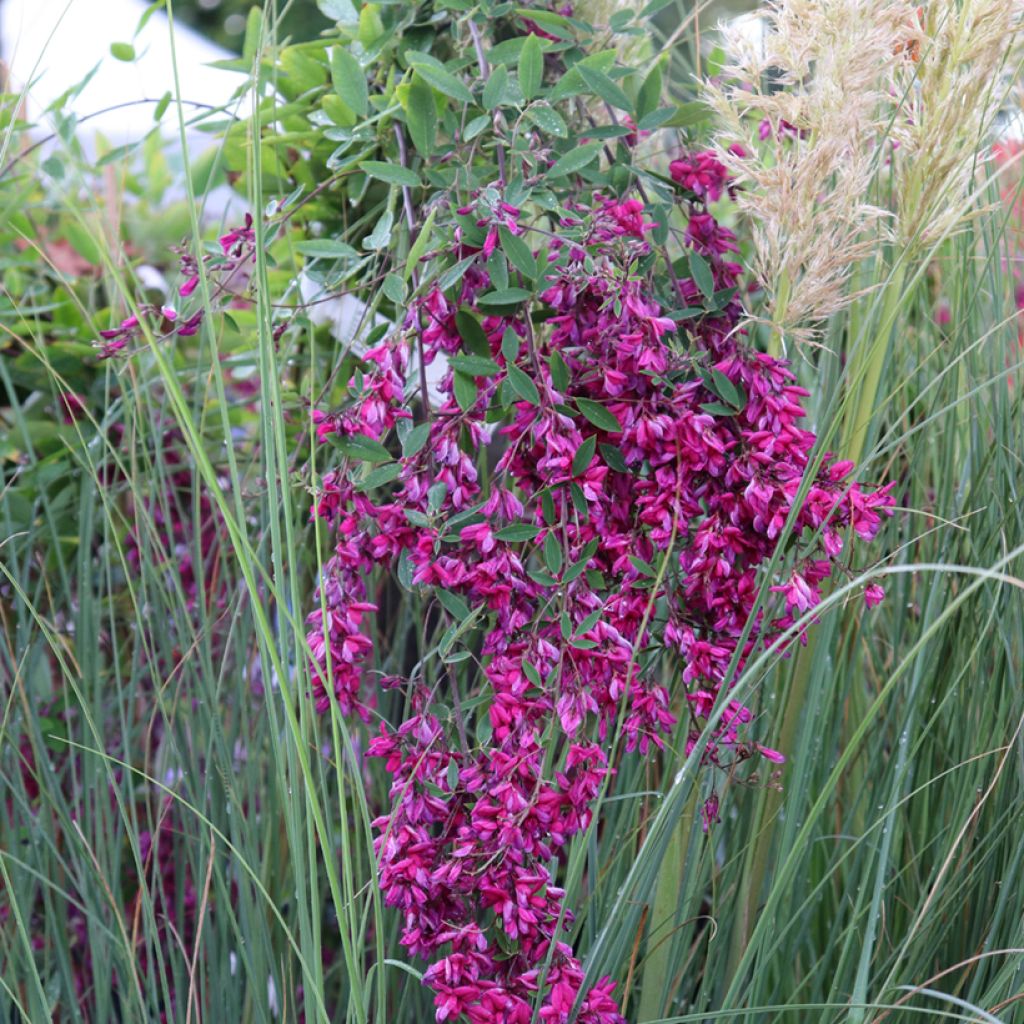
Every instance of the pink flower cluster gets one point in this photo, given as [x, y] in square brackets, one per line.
[647, 469]
[231, 269]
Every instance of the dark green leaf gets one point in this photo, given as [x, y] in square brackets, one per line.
[363, 448]
[442, 80]
[517, 532]
[718, 409]
[518, 252]
[649, 96]
[475, 366]
[453, 604]
[393, 174]
[523, 386]
[455, 273]
[643, 567]
[575, 160]
[584, 456]
[380, 476]
[559, 372]
[700, 271]
[613, 458]
[436, 495]
[326, 249]
[414, 441]
[422, 116]
[510, 345]
[472, 333]
[549, 120]
[494, 90]
[601, 85]
[505, 297]
[599, 415]
[465, 391]
[553, 554]
[531, 67]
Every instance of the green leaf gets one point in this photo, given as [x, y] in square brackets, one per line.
[455, 273]
[688, 114]
[349, 81]
[575, 160]
[363, 448]
[522, 385]
[253, 30]
[414, 441]
[436, 495]
[494, 90]
[419, 247]
[380, 476]
[643, 567]
[510, 345]
[700, 271]
[442, 80]
[475, 366]
[161, 108]
[325, 249]
[518, 252]
[452, 772]
[421, 115]
[601, 85]
[649, 96]
[453, 604]
[393, 174]
[122, 51]
[505, 297]
[465, 390]
[517, 532]
[613, 458]
[472, 333]
[559, 372]
[381, 234]
[548, 120]
[599, 415]
[475, 127]
[584, 456]
[553, 554]
[724, 388]
[687, 313]
[719, 409]
[531, 66]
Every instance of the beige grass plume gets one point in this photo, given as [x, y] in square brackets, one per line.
[822, 83]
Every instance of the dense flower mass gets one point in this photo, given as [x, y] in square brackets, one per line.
[648, 463]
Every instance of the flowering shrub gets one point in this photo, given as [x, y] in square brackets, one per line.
[608, 473]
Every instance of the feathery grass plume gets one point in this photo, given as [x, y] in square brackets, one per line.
[964, 70]
[801, 113]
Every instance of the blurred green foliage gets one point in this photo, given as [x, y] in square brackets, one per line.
[223, 21]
